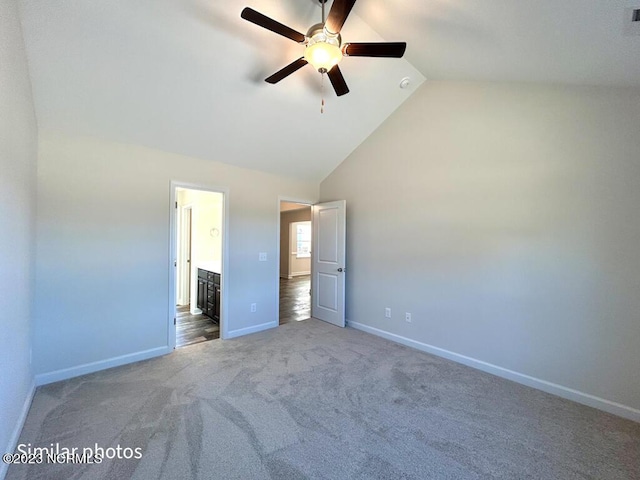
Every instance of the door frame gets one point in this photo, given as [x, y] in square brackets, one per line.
[284, 198]
[183, 251]
[173, 260]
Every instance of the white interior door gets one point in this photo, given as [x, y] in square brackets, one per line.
[328, 265]
[184, 255]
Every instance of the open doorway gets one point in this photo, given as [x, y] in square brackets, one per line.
[295, 262]
[199, 225]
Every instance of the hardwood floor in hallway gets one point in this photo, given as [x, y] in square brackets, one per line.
[295, 306]
[192, 329]
[295, 299]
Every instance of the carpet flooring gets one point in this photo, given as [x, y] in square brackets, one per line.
[310, 400]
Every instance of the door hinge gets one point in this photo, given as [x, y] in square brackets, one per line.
[174, 320]
[176, 204]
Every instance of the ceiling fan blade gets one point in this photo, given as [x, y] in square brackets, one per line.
[390, 49]
[286, 71]
[263, 21]
[338, 15]
[337, 80]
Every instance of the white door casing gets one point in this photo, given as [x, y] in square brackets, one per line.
[225, 326]
[328, 262]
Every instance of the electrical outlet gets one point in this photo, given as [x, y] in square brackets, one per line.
[253, 308]
[262, 256]
[407, 317]
[387, 312]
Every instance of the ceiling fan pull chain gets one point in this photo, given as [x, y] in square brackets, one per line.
[322, 92]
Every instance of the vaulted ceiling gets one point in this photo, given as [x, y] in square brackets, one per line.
[187, 76]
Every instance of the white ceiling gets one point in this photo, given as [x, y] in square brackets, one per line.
[579, 42]
[187, 76]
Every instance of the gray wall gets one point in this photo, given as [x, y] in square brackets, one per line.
[102, 286]
[505, 219]
[18, 150]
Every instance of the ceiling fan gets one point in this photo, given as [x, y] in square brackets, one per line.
[323, 44]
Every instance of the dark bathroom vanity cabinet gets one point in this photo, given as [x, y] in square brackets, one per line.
[209, 294]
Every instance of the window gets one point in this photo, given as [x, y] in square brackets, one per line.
[303, 239]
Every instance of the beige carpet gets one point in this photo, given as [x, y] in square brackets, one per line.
[309, 400]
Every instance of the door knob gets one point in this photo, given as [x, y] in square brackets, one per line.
[340, 269]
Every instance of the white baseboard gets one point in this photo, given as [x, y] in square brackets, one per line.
[549, 387]
[246, 331]
[65, 373]
[300, 274]
[17, 429]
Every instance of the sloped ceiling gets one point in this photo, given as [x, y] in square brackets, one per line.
[581, 42]
[187, 76]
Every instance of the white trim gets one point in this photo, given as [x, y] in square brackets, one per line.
[172, 309]
[224, 300]
[17, 429]
[256, 328]
[300, 274]
[549, 387]
[65, 373]
[284, 198]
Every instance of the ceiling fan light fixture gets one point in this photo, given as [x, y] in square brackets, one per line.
[323, 50]
[323, 56]
[323, 44]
